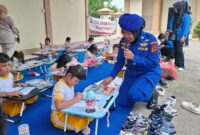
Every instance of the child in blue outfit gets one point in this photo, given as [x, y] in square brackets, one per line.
[166, 47]
[180, 26]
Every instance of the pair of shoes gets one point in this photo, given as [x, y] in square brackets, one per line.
[180, 69]
[86, 131]
[125, 133]
[167, 131]
[170, 111]
[163, 83]
[161, 91]
[192, 107]
[153, 102]
[171, 101]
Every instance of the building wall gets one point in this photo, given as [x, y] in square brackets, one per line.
[147, 11]
[167, 4]
[193, 4]
[136, 7]
[68, 19]
[29, 19]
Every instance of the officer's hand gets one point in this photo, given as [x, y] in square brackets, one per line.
[162, 46]
[106, 82]
[182, 39]
[128, 54]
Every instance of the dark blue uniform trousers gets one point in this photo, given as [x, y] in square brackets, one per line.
[134, 90]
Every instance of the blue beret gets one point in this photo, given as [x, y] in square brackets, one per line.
[131, 22]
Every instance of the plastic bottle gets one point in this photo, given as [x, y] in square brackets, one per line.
[49, 76]
[49, 57]
[23, 129]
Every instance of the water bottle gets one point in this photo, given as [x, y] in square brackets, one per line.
[49, 57]
[23, 129]
[49, 76]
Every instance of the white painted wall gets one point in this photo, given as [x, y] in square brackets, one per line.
[68, 19]
[136, 7]
[147, 11]
[29, 19]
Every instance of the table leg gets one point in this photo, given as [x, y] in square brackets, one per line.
[65, 126]
[96, 126]
[22, 109]
[114, 104]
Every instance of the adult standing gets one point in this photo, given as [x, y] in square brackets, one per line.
[139, 52]
[179, 25]
[8, 32]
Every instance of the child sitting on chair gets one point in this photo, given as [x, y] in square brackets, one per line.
[10, 107]
[166, 47]
[92, 52]
[64, 97]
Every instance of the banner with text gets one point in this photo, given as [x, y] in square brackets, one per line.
[98, 26]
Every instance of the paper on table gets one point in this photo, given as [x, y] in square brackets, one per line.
[24, 90]
[80, 104]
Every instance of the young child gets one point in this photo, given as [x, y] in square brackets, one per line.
[63, 97]
[47, 47]
[113, 55]
[10, 107]
[60, 65]
[166, 47]
[92, 52]
[67, 45]
[61, 62]
[89, 42]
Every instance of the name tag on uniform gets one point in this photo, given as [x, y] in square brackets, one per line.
[143, 48]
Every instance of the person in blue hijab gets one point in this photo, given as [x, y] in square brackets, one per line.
[179, 25]
[139, 52]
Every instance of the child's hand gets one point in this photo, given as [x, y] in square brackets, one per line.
[62, 69]
[162, 46]
[22, 84]
[78, 96]
[14, 93]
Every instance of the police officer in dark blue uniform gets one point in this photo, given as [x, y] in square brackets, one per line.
[139, 52]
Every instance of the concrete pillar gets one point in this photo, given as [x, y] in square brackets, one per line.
[116, 16]
[48, 24]
[156, 18]
[126, 6]
[198, 11]
[86, 21]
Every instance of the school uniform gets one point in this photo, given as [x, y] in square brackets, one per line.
[63, 92]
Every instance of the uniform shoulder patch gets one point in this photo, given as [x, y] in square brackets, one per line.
[154, 47]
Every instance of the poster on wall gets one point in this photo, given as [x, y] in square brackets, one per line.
[98, 26]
